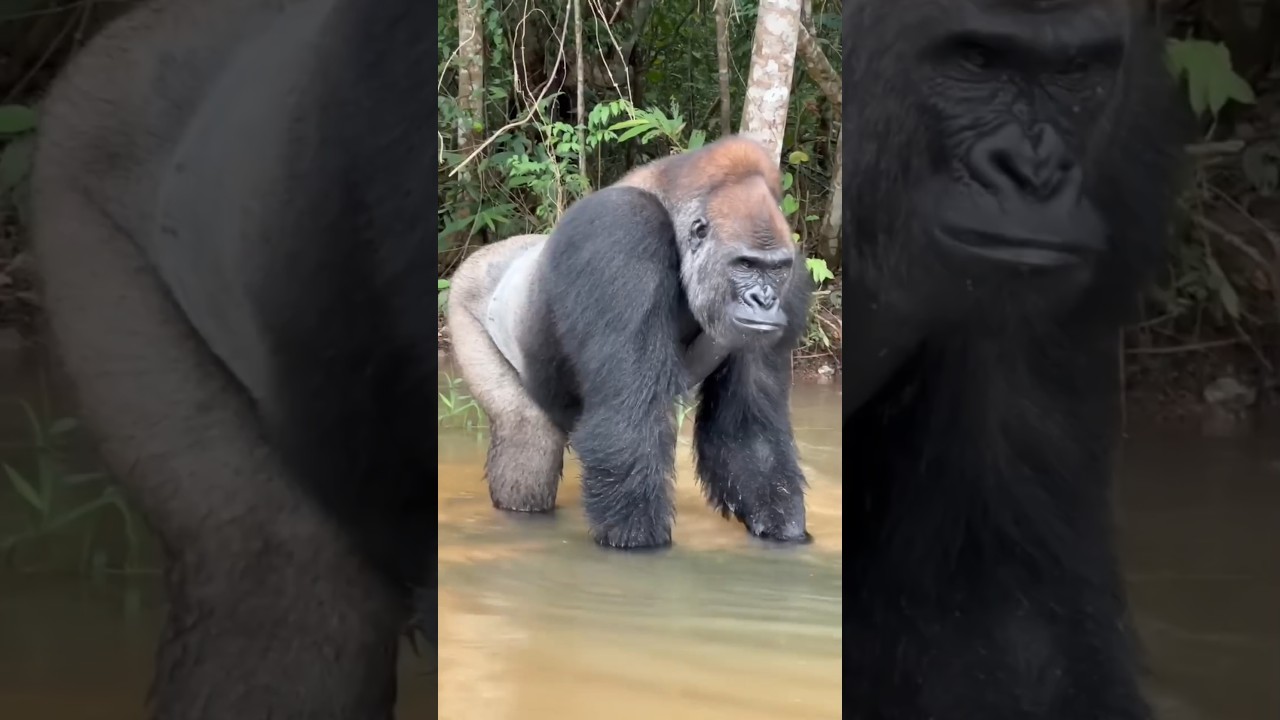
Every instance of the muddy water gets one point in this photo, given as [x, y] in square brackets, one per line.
[537, 622]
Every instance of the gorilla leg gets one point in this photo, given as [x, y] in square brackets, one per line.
[526, 450]
[271, 613]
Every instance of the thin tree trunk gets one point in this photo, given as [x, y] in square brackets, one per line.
[722, 55]
[470, 74]
[773, 59]
[582, 103]
[819, 68]
[830, 229]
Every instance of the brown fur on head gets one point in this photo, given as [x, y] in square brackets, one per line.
[730, 160]
[732, 188]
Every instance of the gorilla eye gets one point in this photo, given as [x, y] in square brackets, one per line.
[1076, 69]
[975, 56]
[701, 228]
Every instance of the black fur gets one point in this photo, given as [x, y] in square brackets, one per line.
[607, 367]
[346, 300]
[248, 329]
[983, 580]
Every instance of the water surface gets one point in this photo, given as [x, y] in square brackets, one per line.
[536, 621]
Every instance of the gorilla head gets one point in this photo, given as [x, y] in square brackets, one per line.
[1008, 143]
[737, 257]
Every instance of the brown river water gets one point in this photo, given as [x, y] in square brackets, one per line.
[536, 623]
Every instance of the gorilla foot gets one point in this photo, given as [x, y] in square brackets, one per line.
[780, 531]
[531, 503]
[630, 523]
[634, 535]
[779, 519]
[518, 489]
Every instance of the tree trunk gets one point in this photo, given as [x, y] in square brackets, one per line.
[819, 68]
[582, 102]
[470, 74]
[829, 233]
[773, 57]
[722, 55]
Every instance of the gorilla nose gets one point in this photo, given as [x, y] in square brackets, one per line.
[1015, 163]
[759, 310]
[761, 298]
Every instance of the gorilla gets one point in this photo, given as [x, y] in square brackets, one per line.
[682, 272]
[1015, 172]
[233, 222]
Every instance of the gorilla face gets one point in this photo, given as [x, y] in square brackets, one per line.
[737, 261]
[1017, 95]
[1012, 162]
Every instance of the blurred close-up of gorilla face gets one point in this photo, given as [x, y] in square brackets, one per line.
[1014, 117]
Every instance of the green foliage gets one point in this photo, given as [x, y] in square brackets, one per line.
[1211, 81]
[56, 501]
[18, 125]
[457, 407]
[442, 297]
[818, 269]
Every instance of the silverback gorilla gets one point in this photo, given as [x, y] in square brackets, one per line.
[684, 267]
[1014, 173]
[233, 225]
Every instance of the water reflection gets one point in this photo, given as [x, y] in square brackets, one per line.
[538, 622]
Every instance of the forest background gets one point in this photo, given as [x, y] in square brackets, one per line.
[543, 102]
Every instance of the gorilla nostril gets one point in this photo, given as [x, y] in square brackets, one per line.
[761, 298]
[1011, 162]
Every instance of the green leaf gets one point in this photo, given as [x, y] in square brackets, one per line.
[1211, 81]
[789, 205]
[787, 181]
[697, 139]
[15, 162]
[634, 122]
[24, 488]
[16, 119]
[81, 478]
[62, 425]
[798, 157]
[442, 284]
[634, 132]
[818, 269]
[1227, 294]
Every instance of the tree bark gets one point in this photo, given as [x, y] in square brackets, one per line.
[819, 68]
[773, 57]
[829, 232]
[470, 74]
[722, 56]
[582, 103]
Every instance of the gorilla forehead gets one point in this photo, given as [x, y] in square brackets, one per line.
[745, 211]
[1054, 28]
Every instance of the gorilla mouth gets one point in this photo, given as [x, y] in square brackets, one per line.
[758, 324]
[1020, 249]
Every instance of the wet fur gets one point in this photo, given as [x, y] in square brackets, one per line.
[295, 524]
[619, 296]
[983, 579]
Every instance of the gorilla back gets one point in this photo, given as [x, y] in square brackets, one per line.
[232, 234]
[683, 269]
